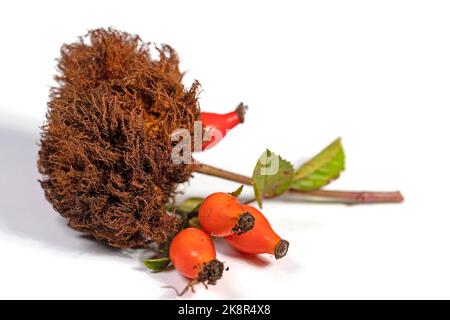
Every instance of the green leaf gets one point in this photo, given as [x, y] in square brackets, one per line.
[322, 169]
[236, 193]
[193, 222]
[272, 176]
[157, 264]
[190, 205]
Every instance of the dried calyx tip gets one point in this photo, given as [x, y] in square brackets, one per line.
[281, 249]
[211, 272]
[245, 223]
[241, 110]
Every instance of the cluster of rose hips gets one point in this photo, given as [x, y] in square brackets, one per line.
[244, 227]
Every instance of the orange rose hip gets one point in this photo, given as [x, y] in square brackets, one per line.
[261, 239]
[193, 254]
[222, 215]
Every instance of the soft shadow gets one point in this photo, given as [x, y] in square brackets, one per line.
[25, 213]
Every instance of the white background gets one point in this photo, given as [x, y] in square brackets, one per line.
[376, 73]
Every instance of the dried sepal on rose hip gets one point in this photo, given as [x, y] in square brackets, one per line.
[222, 215]
[192, 253]
[261, 239]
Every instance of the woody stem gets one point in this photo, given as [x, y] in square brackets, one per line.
[351, 197]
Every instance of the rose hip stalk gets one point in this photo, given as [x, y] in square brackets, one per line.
[221, 215]
[261, 239]
[193, 254]
[216, 125]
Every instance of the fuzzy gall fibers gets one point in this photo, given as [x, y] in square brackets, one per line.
[105, 155]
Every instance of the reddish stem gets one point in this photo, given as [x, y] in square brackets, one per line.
[355, 196]
[351, 197]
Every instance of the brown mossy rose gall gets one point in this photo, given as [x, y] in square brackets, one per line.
[105, 154]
